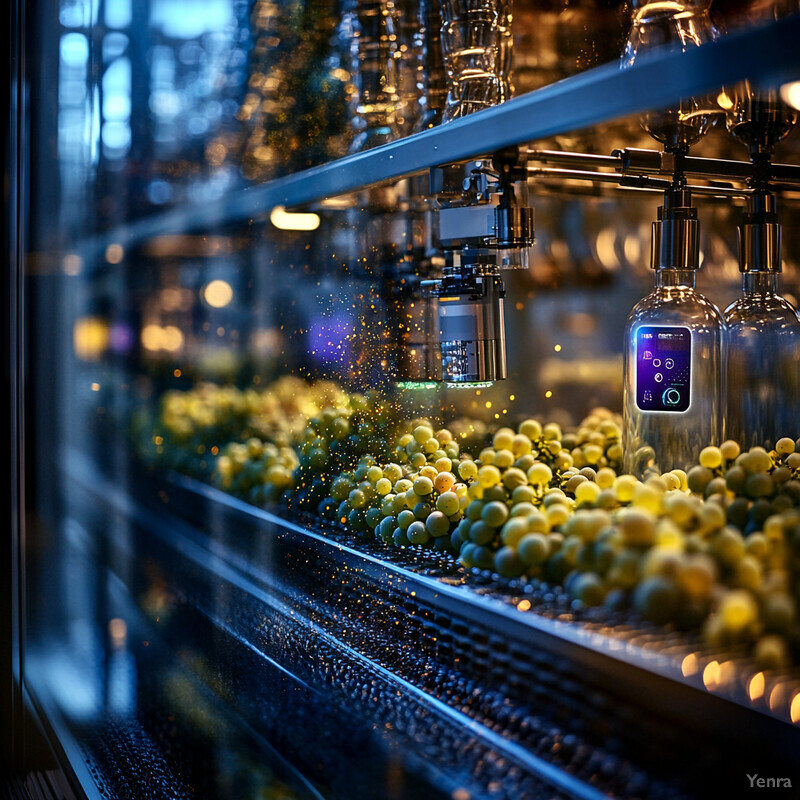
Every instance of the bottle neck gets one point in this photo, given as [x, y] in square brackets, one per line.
[760, 283]
[670, 278]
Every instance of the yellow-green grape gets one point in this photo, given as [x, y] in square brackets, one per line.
[557, 514]
[383, 487]
[503, 439]
[533, 549]
[605, 477]
[587, 493]
[488, 476]
[486, 456]
[682, 477]
[437, 524]
[374, 474]
[680, 508]
[730, 450]
[521, 445]
[728, 546]
[513, 530]
[428, 471]
[784, 446]
[540, 474]
[737, 611]
[405, 518]
[710, 457]
[756, 460]
[522, 494]
[530, 428]
[592, 453]
[648, 498]
[443, 464]
[467, 470]
[749, 573]
[638, 527]
[551, 431]
[431, 446]
[625, 486]
[422, 486]
[448, 503]
[522, 509]
[394, 472]
[793, 461]
[538, 522]
[503, 459]
[418, 460]
[513, 478]
[422, 433]
[671, 481]
[756, 545]
[697, 575]
[475, 491]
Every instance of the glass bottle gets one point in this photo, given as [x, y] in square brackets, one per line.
[673, 354]
[763, 365]
[374, 50]
[670, 25]
[477, 51]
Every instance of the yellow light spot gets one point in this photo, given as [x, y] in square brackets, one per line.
[557, 348]
[512, 397]
[90, 337]
[114, 253]
[777, 697]
[524, 605]
[548, 393]
[723, 101]
[294, 221]
[488, 404]
[218, 293]
[689, 665]
[176, 372]
[95, 387]
[711, 675]
[755, 686]
[794, 711]
[790, 93]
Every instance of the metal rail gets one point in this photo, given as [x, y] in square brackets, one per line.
[768, 56]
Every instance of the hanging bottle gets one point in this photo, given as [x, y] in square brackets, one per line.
[673, 353]
[476, 42]
[677, 26]
[763, 367]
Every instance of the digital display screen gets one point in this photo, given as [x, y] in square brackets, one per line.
[663, 368]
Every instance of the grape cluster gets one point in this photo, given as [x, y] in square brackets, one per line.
[255, 470]
[415, 499]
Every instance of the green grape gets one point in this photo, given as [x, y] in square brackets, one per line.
[495, 513]
[530, 428]
[657, 599]
[481, 533]
[698, 479]
[417, 533]
[785, 446]
[589, 589]
[508, 563]
[405, 518]
[533, 549]
[730, 450]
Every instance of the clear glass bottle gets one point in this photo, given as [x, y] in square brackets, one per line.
[671, 25]
[763, 365]
[673, 355]
[476, 44]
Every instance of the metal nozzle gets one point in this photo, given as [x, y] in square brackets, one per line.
[675, 241]
[760, 236]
